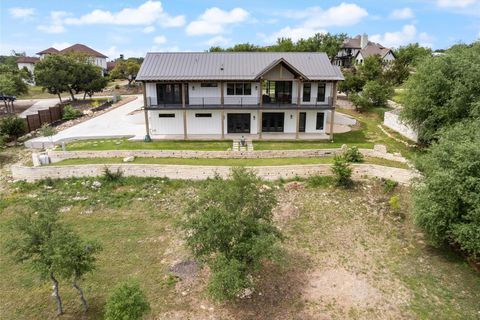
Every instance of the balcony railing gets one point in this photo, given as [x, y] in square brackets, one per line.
[236, 102]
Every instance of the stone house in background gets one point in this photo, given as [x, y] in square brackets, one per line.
[357, 49]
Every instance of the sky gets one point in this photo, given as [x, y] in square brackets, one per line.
[134, 27]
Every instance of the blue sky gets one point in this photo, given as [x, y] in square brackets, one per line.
[136, 27]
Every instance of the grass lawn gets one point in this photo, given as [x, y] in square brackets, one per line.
[352, 138]
[35, 92]
[226, 162]
[399, 95]
[335, 239]
[125, 144]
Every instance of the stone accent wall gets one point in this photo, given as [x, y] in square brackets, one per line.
[31, 174]
[378, 152]
[392, 121]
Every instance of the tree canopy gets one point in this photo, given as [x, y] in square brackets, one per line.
[443, 91]
[320, 42]
[447, 200]
[126, 69]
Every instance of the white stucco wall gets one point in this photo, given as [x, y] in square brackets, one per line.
[392, 120]
[30, 66]
[212, 125]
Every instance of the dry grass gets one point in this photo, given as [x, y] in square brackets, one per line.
[349, 255]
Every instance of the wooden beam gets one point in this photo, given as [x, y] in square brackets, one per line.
[332, 114]
[145, 105]
[299, 85]
[260, 112]
[222, 102]
[184, 112]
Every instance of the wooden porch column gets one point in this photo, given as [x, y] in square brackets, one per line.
[145, 105]
[184, 112]
[222, 102]
[260, 112]
[334, 103]
[297, 130]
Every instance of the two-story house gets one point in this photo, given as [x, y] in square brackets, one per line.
[190, 94]
[357, 49]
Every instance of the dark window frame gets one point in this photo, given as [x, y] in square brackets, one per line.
[307, 86]
[239, 88]
[203, 115]
[320, 124]
[166, 115]
[323, 87]
[208, 84]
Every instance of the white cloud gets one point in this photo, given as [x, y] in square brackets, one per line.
[159, 39]
[113, 52]
[401, 14]
[22, 12]
[407, 35]
[215, 20]
[146, 14]
[148, 29]
[56, 23]
[455, 3]
[218, 40]
[316, 19]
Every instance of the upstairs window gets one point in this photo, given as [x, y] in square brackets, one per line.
[239, 89]
[307, 91]
[321, 92]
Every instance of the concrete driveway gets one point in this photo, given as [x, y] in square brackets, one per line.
[125, 121]
[40, 104]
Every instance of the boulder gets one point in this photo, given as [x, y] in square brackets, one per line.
[129, 159]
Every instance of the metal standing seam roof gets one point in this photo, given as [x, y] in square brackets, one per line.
[180, 66]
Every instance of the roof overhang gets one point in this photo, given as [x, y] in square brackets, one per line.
[280, 61]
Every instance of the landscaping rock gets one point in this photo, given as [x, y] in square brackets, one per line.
[96, 184]
[129, 159]
[294, 185]
[380, 148]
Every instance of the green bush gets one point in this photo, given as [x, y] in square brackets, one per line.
[13, 127]
[389, 185]
[393, 202]
[70, 113]
[319, 181]
[447, 200]
[353, 155]
[343, 172]
[126, 302]
[112, 176]
[229, 226]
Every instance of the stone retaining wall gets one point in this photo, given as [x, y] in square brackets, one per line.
[31, 174]
[378, 152]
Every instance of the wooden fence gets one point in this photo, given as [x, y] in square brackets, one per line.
[52, 114]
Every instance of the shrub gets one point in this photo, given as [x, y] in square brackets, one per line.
[377, 93]
[13, 127]
[343, 172]
[229, 226]
[47, 130]
[393, 202]
[353, 155]
[112, 176]
[126, 302]
[70, 113]
[117, 86]
[389, 185]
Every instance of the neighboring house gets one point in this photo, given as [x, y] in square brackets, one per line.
[95, 57]
[27, 62]
[244, 93]
[357, 49]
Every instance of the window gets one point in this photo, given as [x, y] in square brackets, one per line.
[166, 115]
[209, 84]
[239, 89]
[169, 93]
[203, 115]
[320, 120]
[321, 92]
[307, 90]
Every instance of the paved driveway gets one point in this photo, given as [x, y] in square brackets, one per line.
[40, 104]
[124, 121]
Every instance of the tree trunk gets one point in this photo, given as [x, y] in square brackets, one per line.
[80, 292]
[71, 94]
[13, 107]
[6, 105]
[84, 95]
[56, 294]
[130, 82]
[60, 97]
